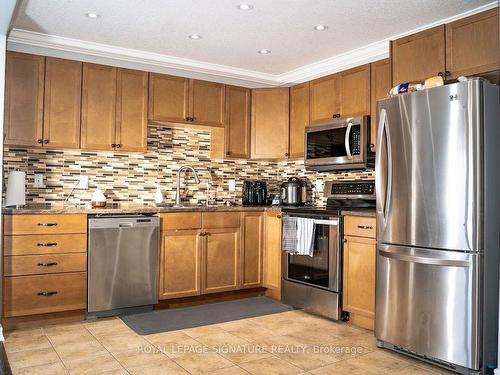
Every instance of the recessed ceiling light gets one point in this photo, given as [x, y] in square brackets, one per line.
[320, 27]
[195, 36]
[245, 6]
[92, 15]
[264, 51]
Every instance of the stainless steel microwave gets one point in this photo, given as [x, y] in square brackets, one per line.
[341, 144]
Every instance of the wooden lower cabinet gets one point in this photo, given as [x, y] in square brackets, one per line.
[252, 232]
[221, 260]
[359, 279]
[272, 254]
[28, 295]
[180, 263]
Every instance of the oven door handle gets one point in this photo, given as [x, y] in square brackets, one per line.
[346, 140]
[326, 222]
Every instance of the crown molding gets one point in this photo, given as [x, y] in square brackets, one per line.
[56, 46]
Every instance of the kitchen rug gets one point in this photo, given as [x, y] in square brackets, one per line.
[158, 321]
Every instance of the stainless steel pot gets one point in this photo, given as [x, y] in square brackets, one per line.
[293, 192]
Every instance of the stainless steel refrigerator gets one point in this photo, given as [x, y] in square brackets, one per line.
[438, 218]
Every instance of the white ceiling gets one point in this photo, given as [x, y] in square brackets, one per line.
[231, 38]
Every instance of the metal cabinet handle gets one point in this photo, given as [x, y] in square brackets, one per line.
[113, 145]
[278, 216]
[365, 227]
[39, 141]
[47, 224]
[447, 73]
[118, 145]
[49, 264]
[46, 294]
[46, 141]
[48, 244]
[345, 241]
[440, 74]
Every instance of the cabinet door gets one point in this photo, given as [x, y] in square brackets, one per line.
[359, 275]
[299, 118]
[24, 80]
[355, 91]
[238, 122]
[207, 103]
[270, 123]
[272, 254]
[380, 86]
[98, 107]
[168, 98]
[131, 110]
[324, 98]
[180, 263]
[252, 231]
[419, 56]
[63, 98]
[221, 260]
[472, 45]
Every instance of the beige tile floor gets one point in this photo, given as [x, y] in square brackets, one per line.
[288, 343]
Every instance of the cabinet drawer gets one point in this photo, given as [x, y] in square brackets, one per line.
[27, 295]
[44, 244]
[181, 220]
[45, 224]
[221, 219]
[40, 264]
[361, 226]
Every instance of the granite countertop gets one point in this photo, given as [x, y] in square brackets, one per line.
[126, 209]
[370, 213]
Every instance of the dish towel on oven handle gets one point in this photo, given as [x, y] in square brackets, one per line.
[305, 236]
[289, 236]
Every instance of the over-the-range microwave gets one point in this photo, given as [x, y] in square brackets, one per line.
[341, 144]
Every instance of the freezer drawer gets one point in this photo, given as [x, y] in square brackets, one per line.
[427, 303]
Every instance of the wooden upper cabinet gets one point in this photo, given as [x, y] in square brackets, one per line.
[131, 110]
[168, 98]
[324, 94]
[355, 91]
[237, 124]
[24, 99]
[418, 56]
[299, 118]
[472, 45]
[63, 95]
[270, 123]
[380, 86]
[98, 107]
[206, 103]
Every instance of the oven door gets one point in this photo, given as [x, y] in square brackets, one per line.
[336, 143]
[322, 270]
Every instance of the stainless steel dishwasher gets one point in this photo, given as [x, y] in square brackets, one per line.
[123, 256]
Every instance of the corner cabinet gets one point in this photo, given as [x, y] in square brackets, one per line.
[270, 123]
[24, 88]
[360, 249]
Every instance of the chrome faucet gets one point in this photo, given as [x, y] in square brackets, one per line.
[178, 191]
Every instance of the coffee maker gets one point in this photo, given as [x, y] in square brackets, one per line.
[254, 193]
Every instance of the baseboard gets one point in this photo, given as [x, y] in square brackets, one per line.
[209, 298]
[40, 320]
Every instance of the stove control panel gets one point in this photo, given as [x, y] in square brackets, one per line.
[354, 189]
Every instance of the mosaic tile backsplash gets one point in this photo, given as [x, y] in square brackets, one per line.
[132, 177]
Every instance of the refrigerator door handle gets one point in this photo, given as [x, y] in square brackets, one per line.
[425, 260]
[346, 140]
[383, 195]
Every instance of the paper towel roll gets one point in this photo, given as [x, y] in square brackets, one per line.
[16, 189]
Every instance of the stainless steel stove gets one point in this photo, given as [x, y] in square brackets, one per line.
[314, 282]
